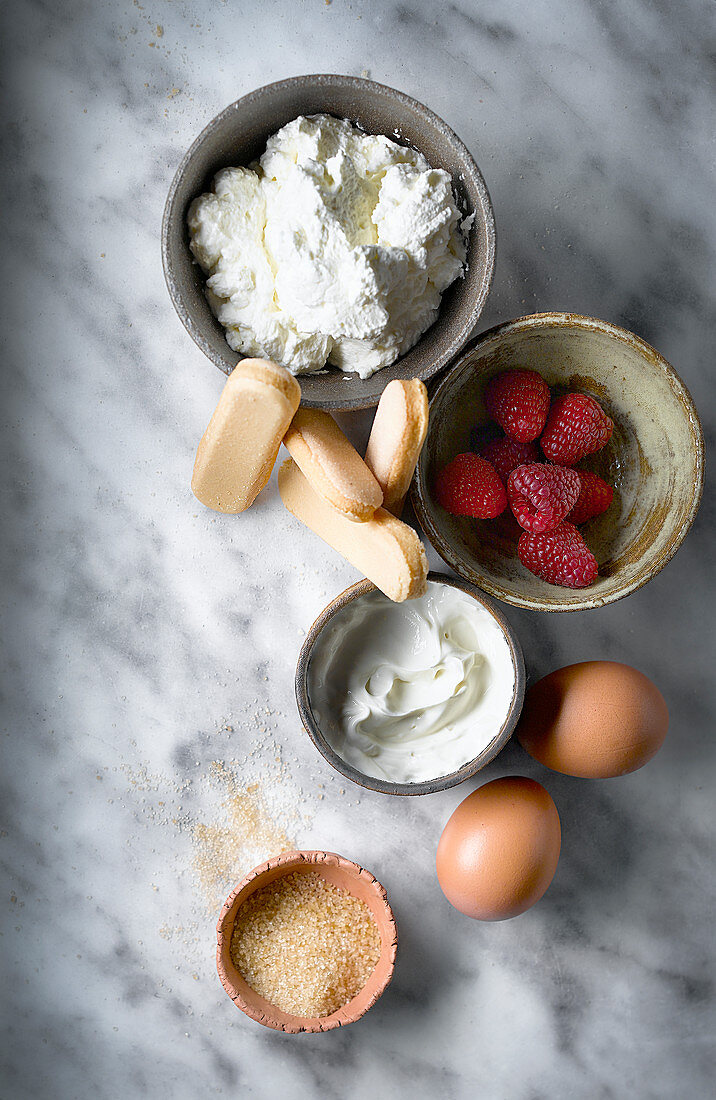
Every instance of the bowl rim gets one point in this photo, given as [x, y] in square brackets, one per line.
[485, 212]
[288, 862]
[427, 786]
[562, 319]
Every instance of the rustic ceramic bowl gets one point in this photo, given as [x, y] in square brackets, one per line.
[339, 872]
[440, 783]
[238, 135]
[654, 459]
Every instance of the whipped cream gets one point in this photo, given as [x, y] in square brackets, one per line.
[335, 247]
[412, 691]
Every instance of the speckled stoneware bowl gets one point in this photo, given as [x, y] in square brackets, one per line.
[440, 783]
[238, 136]
[654, 459]
[346, 876]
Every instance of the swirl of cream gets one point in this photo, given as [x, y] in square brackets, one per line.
[412, 691]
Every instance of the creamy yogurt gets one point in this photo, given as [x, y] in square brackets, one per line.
[409, 692]
[336, 246]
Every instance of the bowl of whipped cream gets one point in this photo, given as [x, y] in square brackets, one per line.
[333, 225]
[414, 697]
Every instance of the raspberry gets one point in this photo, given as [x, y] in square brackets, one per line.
[576, 426]
[541, 496]
[519, 401]
[594, 497]
[559, 557]
[470, 486]
[507, 454]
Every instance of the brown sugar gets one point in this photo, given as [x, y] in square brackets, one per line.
[247, 833]
[305, 945]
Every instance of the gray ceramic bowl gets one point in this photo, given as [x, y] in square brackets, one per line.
[238, 135]
[654, 460]
[440, 783]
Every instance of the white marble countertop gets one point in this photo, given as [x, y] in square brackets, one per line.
[150, 644]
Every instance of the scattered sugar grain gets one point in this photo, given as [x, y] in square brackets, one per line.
[305, 945]
[246, 835]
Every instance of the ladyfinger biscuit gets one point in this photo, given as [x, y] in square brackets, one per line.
[396, 439]
[238, 449]
[385, 550]
[332, 465]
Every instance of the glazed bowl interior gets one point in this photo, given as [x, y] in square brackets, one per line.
[238, 136]
[654, 459]
[339, 872]
[305, 686]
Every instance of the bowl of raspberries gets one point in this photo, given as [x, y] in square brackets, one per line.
[563, 464]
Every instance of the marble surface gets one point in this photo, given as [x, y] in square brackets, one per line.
[150, 645]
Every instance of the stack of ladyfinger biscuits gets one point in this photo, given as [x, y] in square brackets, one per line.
[354, 504]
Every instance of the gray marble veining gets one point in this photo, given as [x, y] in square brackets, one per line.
[150, 645]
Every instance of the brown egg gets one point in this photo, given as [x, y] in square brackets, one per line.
[594, 720]
[499, 850]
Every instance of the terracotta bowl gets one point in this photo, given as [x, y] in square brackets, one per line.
[339, 872]
[440, 783]
[238, 135]
[654, 459]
